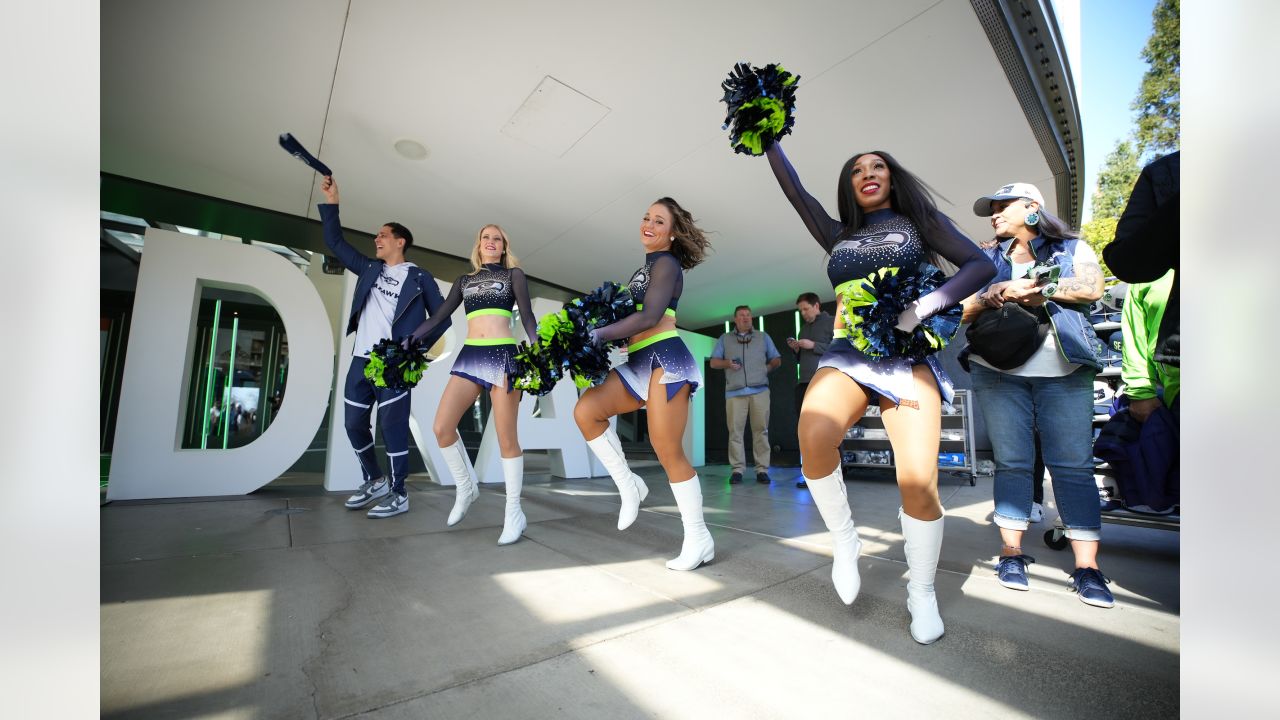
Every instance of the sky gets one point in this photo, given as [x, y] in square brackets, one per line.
[1112, 34]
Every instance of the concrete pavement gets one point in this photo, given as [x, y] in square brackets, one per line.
[284, 604]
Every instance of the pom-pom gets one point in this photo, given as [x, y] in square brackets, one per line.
[761, 106]
[873, 304]
[564, 341]
[392, 365]
[534, 374]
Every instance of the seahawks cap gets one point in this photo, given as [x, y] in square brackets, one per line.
[982, 206]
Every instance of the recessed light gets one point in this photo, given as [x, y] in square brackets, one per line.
[411, 149]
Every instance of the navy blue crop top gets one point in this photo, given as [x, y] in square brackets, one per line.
[656, 288]
[491, 290]
[886, 239]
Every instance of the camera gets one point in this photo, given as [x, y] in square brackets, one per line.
[1045, 274]
[1046, 278]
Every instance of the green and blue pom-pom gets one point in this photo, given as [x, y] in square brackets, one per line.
[761, 104]
[393, 366]
[872, 305]
[564, 342]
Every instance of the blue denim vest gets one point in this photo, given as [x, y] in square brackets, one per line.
[1077, 341]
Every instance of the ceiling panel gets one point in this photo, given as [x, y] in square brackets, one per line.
[195, 93]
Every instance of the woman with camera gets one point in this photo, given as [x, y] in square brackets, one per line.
[1040, 374]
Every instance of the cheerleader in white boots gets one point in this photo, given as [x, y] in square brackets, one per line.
[494, 286]
[887, 219]
[660, 375]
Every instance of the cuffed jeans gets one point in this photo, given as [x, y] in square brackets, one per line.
[737, 409]
[1062, 408]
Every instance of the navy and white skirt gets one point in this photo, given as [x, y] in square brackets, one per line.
[884, 377]
[487, 362]
[665, 350]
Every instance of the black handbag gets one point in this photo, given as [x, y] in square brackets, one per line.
[1007, 336]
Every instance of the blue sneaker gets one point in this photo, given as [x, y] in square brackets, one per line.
[1091, 585]
[1012, 571]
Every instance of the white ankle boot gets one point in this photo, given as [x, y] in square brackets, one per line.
[830, 496]
[923, 545]
[631, 487]
[698, 546]
[455, 456]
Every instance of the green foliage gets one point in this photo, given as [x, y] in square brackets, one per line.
[1098, 232]
[1158, 103]
[1116, 180]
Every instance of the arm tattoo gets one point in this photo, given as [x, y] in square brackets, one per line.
[1085, 280]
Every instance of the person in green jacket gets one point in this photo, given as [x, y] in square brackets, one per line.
[1146, 382]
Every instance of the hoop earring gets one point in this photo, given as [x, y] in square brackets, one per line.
[1032, 219]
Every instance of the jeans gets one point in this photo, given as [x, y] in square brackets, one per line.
[1062, 407]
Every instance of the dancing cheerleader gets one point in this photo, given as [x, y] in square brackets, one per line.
[660, 374]
[495, 285]
[887, 220]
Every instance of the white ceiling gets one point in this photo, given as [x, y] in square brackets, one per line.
[194, 95]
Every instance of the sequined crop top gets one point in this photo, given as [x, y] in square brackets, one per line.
[491, 290]
[656, 288]
[886, 239]
[639, 285]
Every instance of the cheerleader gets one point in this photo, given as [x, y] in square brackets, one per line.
[660, 374]
[887, 220]
[495, 285]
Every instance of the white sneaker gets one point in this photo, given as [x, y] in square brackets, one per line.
[1037, 513]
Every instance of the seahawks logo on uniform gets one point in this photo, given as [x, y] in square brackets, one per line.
[872, 242]
[484, 287]
[640, 280]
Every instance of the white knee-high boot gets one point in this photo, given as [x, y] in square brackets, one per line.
[455, 456]
[631, 487]
[514, 523]
[698, 546]
[923, 545]
[832, 499]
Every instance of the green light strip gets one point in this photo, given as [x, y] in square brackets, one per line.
[231, 374]
[797, 336]
[208, 381]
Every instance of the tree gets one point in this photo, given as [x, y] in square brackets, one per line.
[1115, 180]
[1158, 103]
[1098, 232]
[1115, 183]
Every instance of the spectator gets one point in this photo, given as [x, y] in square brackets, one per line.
[1055, 381]
[1146, 245]
[1147, 382]
[815, 336]
[747, 357]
